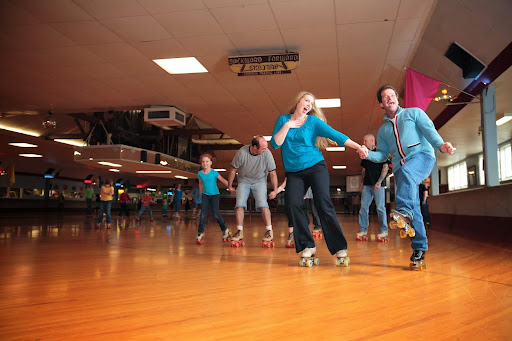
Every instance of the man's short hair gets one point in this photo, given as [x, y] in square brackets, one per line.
[256, 141]
[384, 87]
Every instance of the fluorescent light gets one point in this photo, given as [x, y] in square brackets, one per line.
[104, 163]
[328, 103]
[164, 163]
[23, 145]
[339, 167]
[152, 172]
[506, 117]
[176, 66]
[77, 153]
[72, 142]
[219, 169]
[30, 155]
[114, 170]
[151, 189]
[267, 138]
[180, 177]
[335, 149]
[21, 131]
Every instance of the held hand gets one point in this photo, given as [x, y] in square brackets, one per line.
[232, 190]
[272, 195]
[363, 152]
[447, 148]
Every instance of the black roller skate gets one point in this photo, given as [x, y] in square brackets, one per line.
[418, 260]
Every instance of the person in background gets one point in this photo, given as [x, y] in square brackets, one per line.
[89, 195]
[106, 194]
[178, 195]
[124, 198]
[196, 195]
[146, 200]
[423, 192]
[165, 204]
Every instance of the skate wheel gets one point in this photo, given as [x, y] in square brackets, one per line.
[365, 239]
[243, 243]
[302, 262]
[316, 261]
[403, 234]
[273, 244]
[309, 263]
[411, 232]
[393, 225]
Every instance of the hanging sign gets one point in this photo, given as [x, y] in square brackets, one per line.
[268, 64]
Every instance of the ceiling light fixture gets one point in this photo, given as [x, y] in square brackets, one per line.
[444, 97]
[220, 169]
[176, 66]
[105, 163]
[181, 177]
[23, 145]
[328, 103]
[152, 172]
[114, 170]
[267, 137]
[504, 118]
[20, 131]
[339, 167]
[30, 155]
[72, 142]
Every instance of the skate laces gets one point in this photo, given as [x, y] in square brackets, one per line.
[268, 234]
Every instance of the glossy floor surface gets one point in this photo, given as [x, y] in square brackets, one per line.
[62, 279]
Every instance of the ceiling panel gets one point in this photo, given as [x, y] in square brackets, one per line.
[242, 18]
[365, 33]
[322, 14]
[189, 23]
[105, 9]
[364, 11]
[165, 6]
[87, 32]
[130, 28]
[54, 11]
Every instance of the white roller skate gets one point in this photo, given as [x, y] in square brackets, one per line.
[307, 257]
[226, 236]
[200, 239]
[238, 239]
[268, 239]
[341, 258]
[383, 237]
[361, 235]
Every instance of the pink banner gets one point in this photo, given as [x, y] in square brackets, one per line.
[419, 89]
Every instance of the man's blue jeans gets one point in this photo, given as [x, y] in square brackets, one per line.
[370, 193]
[408, 177]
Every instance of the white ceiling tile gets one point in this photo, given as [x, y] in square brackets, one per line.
[117, 52]
[268, 41]
[140, 28]
[189, 23]
[55, 10]
[40, 36]
[241, 18]
[86, 32]
[230, 3]
[405, 30]
[361, 11]
[414, 9]
[308, 38]
[324, 57]
[161, 49]
[166, 6]
[398, 50]
[365, 33]
[208, 45]
[301, 14]
[12, 15]
[105, 9]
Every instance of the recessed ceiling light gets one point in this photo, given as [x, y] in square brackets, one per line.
[105, 163]
[114, 170]
[152, 172]
[339, 167]
[23, 145]
[180, 177]
[30, 155]
[328, 103]
[267, 137]
[506, 117]
[176, 66]
[335, 149]
[220, 169]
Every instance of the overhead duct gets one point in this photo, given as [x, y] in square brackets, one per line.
[165, 117]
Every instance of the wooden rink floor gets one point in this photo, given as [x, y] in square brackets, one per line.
[61, 279]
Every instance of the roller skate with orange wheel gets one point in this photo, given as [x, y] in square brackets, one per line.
[361, 236]
[341, 258]
[268, 239]
[200, 239]
[226, 236]
[317, 233]
[418, 260]
[383, 237]
[307, 257]
[399, 220]
[109, 226]
[98, 225]
[238, 239]
[290, 241]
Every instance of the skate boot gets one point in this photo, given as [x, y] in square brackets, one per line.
[226, 236]
[137, 219]
[289, 241]
[383, 237]
[268, 239]
[98, 226]
[341, 258]
[317, 233]
[418, 260]
[307, 257]
[200, 238]
[399, 220]
[361, 235]
[109, 226]
[238, 239]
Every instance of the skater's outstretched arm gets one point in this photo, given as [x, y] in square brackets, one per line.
[222, 180]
